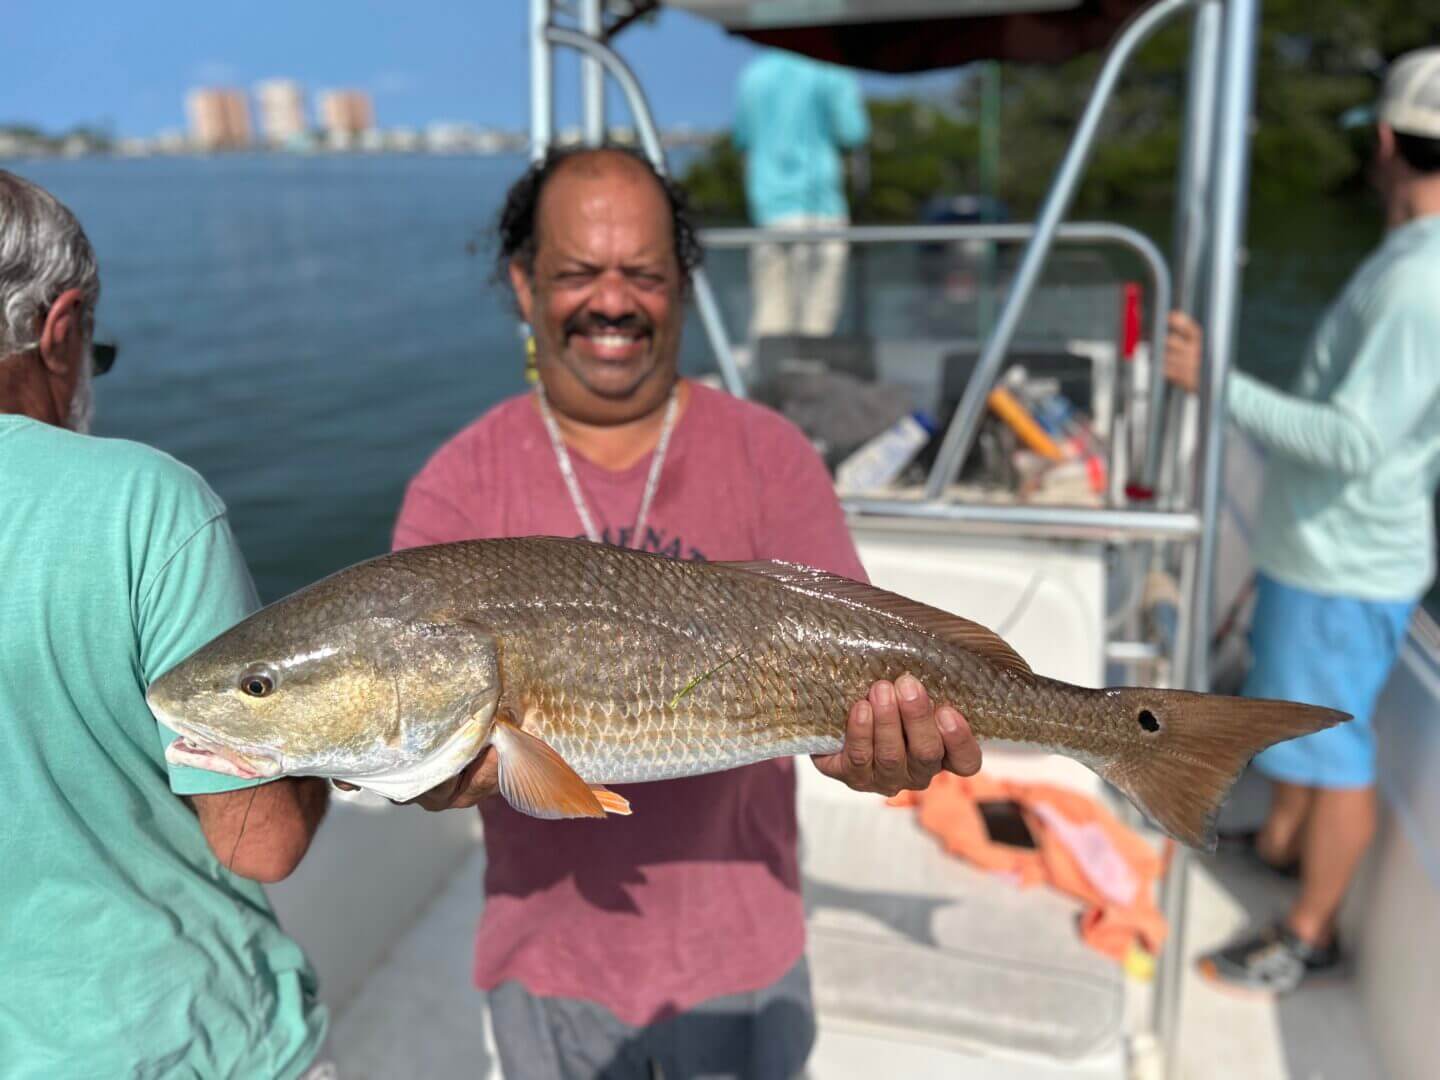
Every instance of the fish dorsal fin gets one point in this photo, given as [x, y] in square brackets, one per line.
[978, 639]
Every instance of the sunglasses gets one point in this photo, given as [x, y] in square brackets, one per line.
[102, 356]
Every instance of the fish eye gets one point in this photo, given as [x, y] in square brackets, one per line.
[257, 683]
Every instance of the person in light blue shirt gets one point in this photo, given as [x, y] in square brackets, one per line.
[1346, 541]
[794, 118]
[135, 938]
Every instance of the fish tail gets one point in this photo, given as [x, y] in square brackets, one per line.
[1202, 742]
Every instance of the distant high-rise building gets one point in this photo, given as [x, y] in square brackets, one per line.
[346, 114]
[219, 118]
[282, 111]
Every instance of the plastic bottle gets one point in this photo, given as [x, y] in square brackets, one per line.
[881, 460]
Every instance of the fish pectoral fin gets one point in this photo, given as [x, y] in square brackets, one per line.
[535, 780]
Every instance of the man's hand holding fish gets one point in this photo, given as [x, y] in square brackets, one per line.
[897, 739]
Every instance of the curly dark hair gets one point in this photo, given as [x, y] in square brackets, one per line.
[517, 223]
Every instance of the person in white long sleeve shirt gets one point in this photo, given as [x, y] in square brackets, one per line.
[1345, 545]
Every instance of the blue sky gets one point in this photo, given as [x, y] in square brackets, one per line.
[128, 64]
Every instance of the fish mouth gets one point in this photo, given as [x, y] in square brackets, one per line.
[195, 751]
[187, 750]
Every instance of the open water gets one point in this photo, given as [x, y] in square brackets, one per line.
[305, 331]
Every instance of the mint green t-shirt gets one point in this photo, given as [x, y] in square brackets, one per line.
[126, 949]
[793, 118]
[1354, 448]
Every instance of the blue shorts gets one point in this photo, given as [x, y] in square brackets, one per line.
[1334, 651]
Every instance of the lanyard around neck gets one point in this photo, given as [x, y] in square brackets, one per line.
[572, 484]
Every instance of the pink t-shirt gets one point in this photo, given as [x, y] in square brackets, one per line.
[698, 893]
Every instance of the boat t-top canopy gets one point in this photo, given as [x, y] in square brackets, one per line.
[903, 36]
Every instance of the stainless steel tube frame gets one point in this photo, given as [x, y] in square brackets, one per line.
[542, 83]
[1191, 214]
[1080, 232]
[592, 75]
[961, 432]
[1223, 304]
[1231, 173]
[1174, 488]
[1076, 231]
[1081, 522]
[618, 70]
[650, 139]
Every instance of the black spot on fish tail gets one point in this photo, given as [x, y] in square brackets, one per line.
[1192, 748]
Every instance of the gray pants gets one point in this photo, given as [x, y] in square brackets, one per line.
[762, 1035]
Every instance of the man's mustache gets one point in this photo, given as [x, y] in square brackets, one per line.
[590, 323]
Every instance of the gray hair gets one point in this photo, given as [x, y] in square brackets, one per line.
[43, 253]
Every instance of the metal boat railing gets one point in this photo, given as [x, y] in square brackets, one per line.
[1080, 232]
[1211, 201]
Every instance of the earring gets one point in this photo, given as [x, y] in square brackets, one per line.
[532, 373]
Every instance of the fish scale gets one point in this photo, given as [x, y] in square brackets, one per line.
[807, 668]
[609, 666]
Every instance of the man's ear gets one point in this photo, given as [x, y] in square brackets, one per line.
[524, 294]
[62, 337]
[1384, 141]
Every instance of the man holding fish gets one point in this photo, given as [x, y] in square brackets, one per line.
[675, 934]
[126, 948]
[548, 668]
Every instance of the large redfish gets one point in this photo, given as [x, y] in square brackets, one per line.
[585, 665]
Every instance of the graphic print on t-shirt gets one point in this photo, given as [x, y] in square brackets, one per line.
[655, 543]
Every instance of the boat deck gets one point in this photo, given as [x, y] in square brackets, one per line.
[416, 1014]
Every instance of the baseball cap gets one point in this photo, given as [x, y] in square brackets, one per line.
[1409, 99]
